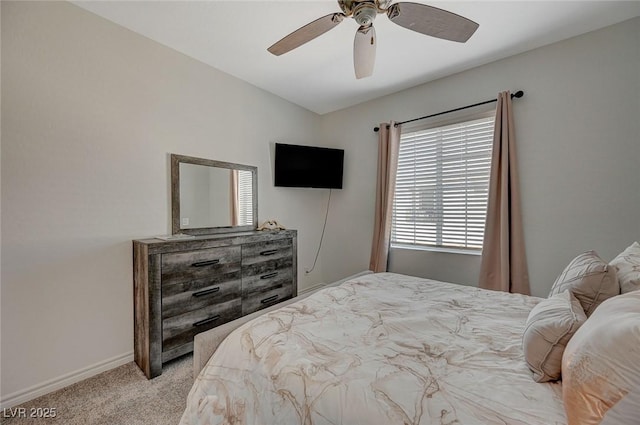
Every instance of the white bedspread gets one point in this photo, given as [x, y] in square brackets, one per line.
[379, 349]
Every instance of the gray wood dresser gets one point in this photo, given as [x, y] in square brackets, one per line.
[184, 287]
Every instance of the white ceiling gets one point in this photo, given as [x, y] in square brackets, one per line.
[233, 37]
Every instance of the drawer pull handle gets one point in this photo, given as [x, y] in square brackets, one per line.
[269, 252]
[205, 263]
[206, 292]
[270, 299]
[270, 275]
[206, 321]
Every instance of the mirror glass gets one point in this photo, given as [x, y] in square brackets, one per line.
[212, 196]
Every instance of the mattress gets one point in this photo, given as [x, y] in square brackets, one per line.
[379, 349]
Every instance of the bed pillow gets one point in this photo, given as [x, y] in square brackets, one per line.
[590, 279]
[628, 265]
[550, 326]
[600, 364]
[625, 411]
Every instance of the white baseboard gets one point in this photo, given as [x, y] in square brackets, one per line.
[51, 385]
[320, 285]
[312, 288]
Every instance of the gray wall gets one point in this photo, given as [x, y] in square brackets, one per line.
[90, 113]
[578, 131]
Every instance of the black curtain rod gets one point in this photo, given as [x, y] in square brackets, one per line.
[517, 94]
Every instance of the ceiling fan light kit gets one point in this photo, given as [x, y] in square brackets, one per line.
[364, 51]
[417, 17]
[365, 13]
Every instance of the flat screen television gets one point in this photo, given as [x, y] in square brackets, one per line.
[308, 166]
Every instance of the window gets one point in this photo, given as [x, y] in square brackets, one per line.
[245, 198]
[442, 186]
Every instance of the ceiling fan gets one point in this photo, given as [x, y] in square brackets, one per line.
[421, 18]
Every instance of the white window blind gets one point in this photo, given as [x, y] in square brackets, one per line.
[442, 186]
[245, 198]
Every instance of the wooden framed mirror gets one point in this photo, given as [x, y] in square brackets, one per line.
[209, 197]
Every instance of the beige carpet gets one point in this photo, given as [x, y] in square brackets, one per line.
[119, 396]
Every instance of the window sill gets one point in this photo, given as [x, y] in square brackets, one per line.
[437, 249]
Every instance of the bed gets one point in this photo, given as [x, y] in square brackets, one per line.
[379, 349]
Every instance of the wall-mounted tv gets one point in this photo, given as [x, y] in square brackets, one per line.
[308, 166]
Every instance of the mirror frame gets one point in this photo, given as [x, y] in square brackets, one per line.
[176, 160]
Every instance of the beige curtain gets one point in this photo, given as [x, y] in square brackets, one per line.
[504, 263]
[235, 199]
[388, 146]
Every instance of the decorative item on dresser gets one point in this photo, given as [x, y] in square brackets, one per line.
[184, 287]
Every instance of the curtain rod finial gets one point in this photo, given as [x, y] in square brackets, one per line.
[378, 128]
[518, 94]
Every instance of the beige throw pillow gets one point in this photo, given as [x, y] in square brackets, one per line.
[628, 265]
[600, 372]
[590, 279]
[550, 326]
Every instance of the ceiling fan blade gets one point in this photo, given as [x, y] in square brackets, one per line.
[306, 33]
[432, 21]
[364, 51]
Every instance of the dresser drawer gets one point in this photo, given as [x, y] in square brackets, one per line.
[199, 293]
[266, 251]
[271, 278]
[185, 266]
[262, 300]
[181, 329]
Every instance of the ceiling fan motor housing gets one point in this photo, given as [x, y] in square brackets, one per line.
[348, 6]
